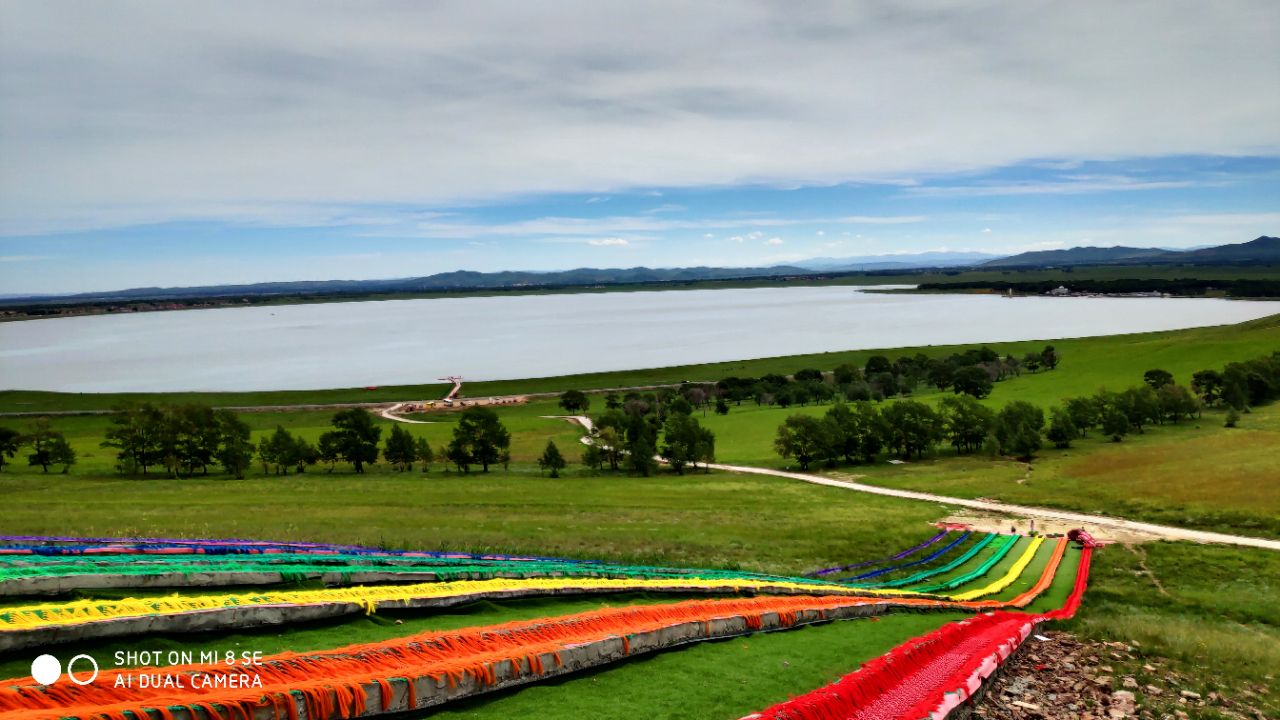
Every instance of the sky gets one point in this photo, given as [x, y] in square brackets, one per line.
[172, 143]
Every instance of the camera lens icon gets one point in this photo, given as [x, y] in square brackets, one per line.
[47, 670]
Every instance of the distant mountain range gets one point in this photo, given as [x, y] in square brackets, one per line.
[462, 280]
[1264, 249]
[900, 261]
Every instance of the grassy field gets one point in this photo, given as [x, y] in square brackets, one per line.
[1203, 607]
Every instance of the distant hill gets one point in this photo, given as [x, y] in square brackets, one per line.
[897, 261]
[449, 281]
[1264, 249]
[1080, 256]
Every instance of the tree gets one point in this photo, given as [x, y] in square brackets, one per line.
[855, 433]
[686, 442]
[1018, 427]
[912, 427]
[1115, 424]
[1062, 429]
[886, 383]
[357, 437]
[279, 449]
[809, 375]
[330, 448]
[458, 452]
[612, 401]
[972, 380]
[593, 457]
[575, 401]
[552, 460]
[135, 433]
[423, 453]
[1140, 405]
[235, 451]
[966, 422]
[1157, 378]
[1233, 418]
[1176, 402]
[941, 374]
[803, 438]
[61, 452]
[1084, 413]
[640, 457]
[483, 435]
[304, 454]
[722, 407]
[877, 364]
[610, 440]
[1049, 357]
[10, 441]
[43, 440]
[846, 373]
[679, 406]
[400, 449]
[1208, 385]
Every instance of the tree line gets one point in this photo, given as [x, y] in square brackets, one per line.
[860, 432]
[635, 428]
[181, 441]
[1239, 287]
[973, 372]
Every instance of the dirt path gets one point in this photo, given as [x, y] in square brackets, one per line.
[1090, 522]
[390, 414]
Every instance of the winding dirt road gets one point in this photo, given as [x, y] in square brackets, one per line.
[1162, 532]
[1129, 528]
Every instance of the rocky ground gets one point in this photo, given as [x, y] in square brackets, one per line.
[1056, 675]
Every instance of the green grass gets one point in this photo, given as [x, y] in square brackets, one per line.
[1088, 363]
[718, 520]
[725, 679]
[1196, 474]
[1211, 610]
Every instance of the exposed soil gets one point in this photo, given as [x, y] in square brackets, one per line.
[1062, 677]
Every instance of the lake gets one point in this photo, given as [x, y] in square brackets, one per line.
[400, 342]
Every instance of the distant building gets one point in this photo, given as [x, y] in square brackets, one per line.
[1059, 291]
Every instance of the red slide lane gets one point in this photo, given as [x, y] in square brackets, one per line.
[928, 676]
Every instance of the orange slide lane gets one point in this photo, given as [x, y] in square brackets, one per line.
[331, 681]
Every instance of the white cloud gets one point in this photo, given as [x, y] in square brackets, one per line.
[736, 238]
[709, 235]
[820, 233]
[773, 241]
[223, 107]
[986, 230]
[608, 242]
[1066, 186]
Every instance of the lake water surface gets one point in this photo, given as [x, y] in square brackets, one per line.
[486, 338]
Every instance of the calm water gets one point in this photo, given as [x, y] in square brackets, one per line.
[485, 338]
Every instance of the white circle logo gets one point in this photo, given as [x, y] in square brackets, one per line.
[77, 680]
[46, 669]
